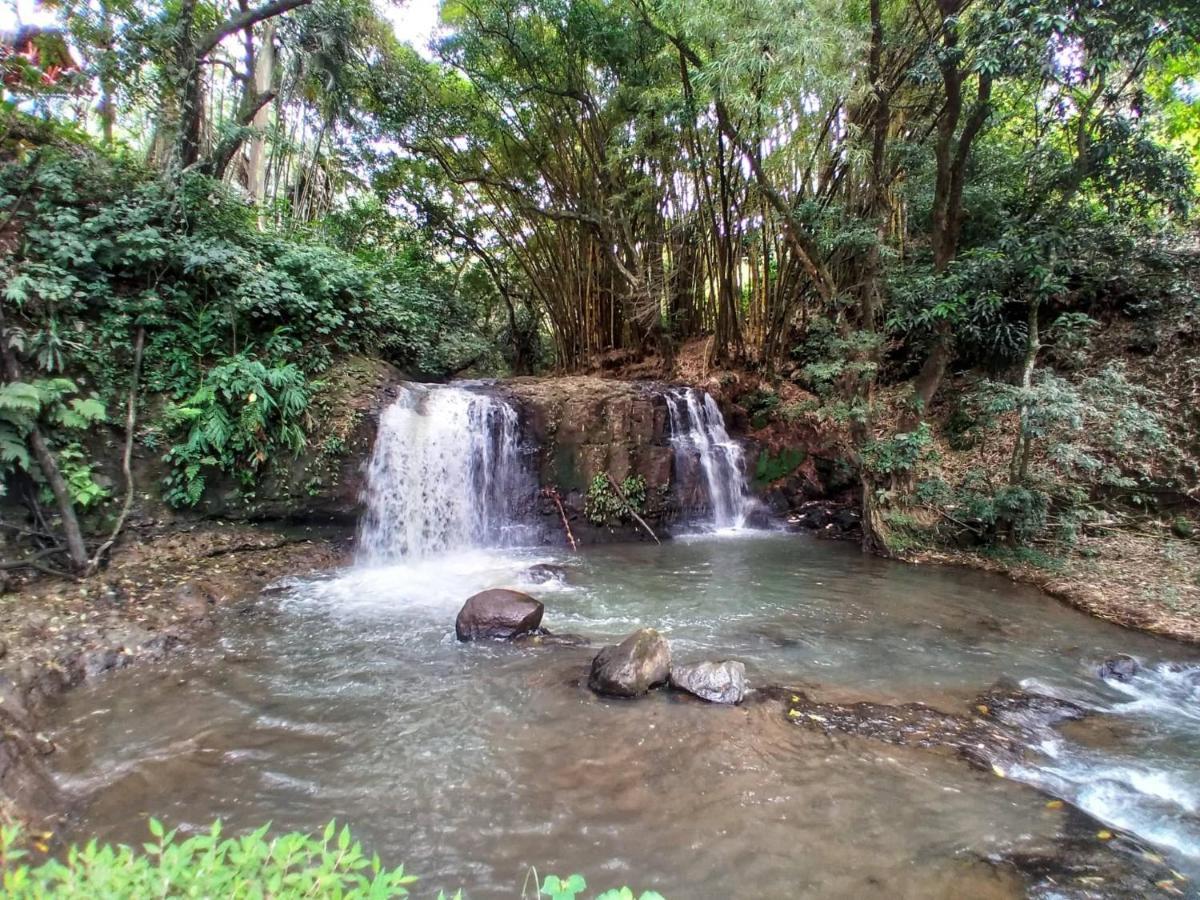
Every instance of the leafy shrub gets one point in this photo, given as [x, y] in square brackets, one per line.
[209, 865]
[602, 505]
[760, 406]
[898, 454]
[49, 402]
[569, 888]
[243, 415]
[206, 865]
[230, 313]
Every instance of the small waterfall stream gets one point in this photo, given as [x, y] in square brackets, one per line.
[698, 433]
[446, 474]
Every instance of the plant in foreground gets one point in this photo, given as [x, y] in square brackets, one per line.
[210, 865]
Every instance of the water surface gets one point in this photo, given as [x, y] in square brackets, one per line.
[471, 763]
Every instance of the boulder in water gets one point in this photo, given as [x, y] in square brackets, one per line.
[632, 667]
[497, 614]
[544, 573]
[716, 682]
[1119, 668]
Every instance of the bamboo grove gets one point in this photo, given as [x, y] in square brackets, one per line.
[643, 172]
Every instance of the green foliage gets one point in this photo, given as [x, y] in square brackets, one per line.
[602, 505]
[242, 417]
[48, 403]
[771, 467]
[209, 864]
[760, 405]
[239, 323]
[569, 888]
[899, 454]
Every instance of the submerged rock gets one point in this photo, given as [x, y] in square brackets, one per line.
[497, 614]
[632, 667]
[1119, 668]
[543, 637]
[716, 682]
[544, 573]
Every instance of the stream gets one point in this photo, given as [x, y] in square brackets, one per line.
[470, 763]
[347, 697]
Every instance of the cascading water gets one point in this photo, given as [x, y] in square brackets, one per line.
[1141, 779]
[698, 434]
[446, 474]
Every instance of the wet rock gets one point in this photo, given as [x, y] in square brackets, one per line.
[1119, 668]
[1031, 713]
[497, 614]
[812, 515]
[846, 519]
[25, 782]
[97, 662]
[716, 682]
[544, 573]
[1002, 724]
[545, 638]
[634, 666]
[195, 599]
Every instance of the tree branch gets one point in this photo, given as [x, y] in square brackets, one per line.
[244, 19]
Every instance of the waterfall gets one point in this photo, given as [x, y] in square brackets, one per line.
[446, 474]
[698, 434]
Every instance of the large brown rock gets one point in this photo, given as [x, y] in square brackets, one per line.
[632, 667]
[497, 614]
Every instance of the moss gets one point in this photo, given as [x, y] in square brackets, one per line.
[772, 467]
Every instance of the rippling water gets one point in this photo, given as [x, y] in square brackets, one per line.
[471, 763]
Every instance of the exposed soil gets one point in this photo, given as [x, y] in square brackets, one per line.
[1142, 581]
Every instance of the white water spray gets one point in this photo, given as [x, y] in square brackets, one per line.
[698, 432]
[446, 474]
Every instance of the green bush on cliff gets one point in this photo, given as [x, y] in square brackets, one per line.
[603, 504]
[237, 323]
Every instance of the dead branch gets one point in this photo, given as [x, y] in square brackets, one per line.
[629, 508]
[127, 458]
[552, 493]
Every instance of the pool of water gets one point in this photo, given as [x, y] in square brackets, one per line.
[350, 699]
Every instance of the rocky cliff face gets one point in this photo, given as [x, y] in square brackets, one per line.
[583, 426]
[323, 484]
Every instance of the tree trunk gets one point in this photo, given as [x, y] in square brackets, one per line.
[264, 78]
[76, 550]
[1018, 467]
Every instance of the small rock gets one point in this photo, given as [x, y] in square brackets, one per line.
[544, 638]
[97, 662]
[632, 667]
[716, 682]
[498, 614]
[1119, 668]
[544, 573]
